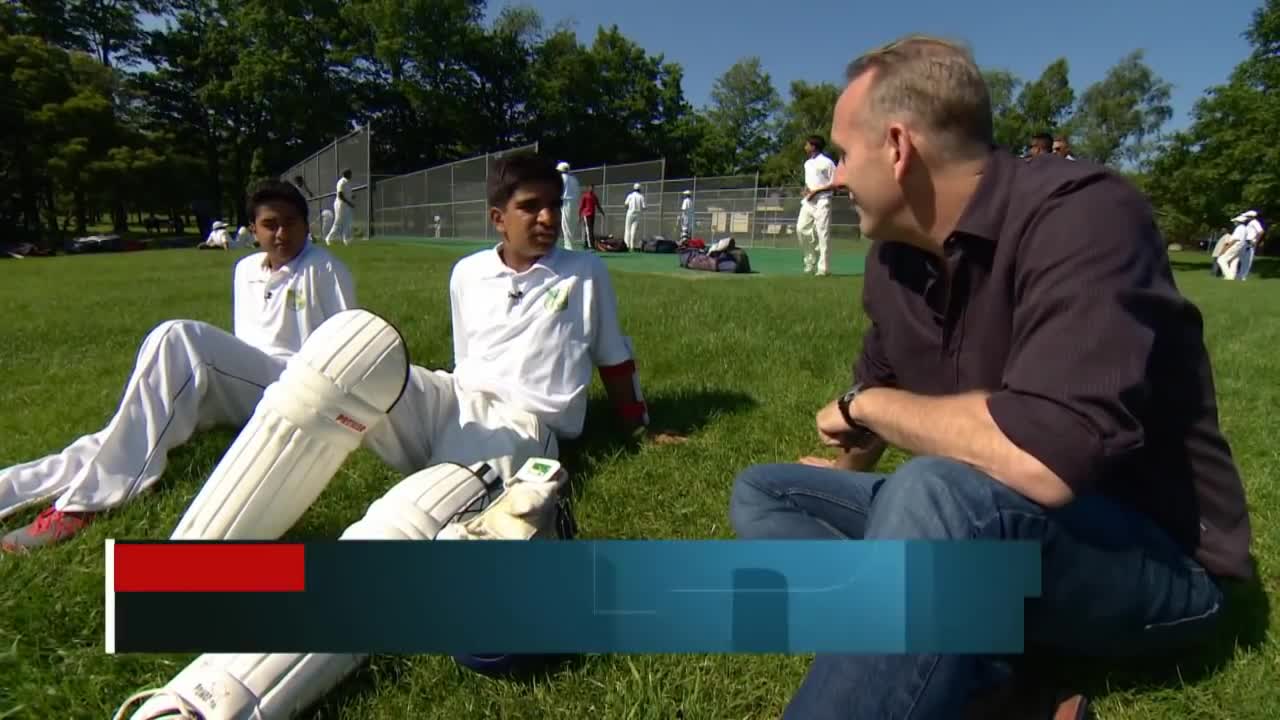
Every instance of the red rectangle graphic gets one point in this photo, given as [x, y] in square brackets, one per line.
[213, 567]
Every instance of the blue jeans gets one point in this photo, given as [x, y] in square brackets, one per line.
[1114, 583]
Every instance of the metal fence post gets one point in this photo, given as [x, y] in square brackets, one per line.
[755, 206]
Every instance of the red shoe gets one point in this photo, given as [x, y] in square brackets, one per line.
[49, 527]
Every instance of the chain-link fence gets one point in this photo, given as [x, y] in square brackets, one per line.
[445, 201]
[613, 183]
[732, 205]
[317, 177]
[448, 201]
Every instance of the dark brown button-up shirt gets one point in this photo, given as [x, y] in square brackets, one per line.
[1056, 296]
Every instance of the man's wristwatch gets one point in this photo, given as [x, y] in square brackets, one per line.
[859, 430]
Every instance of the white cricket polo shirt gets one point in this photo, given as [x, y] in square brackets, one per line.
[635, 202]
[277, 311]
[1252, 230]
[534, 339]
[338, 205]
[819, 171]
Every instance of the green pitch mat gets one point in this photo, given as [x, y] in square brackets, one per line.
[847, 258]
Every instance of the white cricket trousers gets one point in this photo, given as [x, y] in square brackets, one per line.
[1229, 261]
[188, 376]
[342, 220]
[814, 229]
[436, 421]
[569, 222]
[632, 232]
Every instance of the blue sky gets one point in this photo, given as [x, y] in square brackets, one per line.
[1193, 44]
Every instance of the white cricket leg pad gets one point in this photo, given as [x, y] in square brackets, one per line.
[419, 506]
[248, 686]
[528, 508]
[340, 385]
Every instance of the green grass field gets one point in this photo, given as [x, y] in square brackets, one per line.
[739, 363]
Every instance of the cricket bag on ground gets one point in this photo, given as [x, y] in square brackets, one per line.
[609, 244]
[658, 244]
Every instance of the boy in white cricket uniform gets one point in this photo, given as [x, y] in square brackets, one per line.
[343, 212]
[686, 216]
[635, 205]
[569, 206]
[189, 376]
[1228, 258]
[814, 224]
[532, 323]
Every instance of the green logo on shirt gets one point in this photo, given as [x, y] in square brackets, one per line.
[557, 300]
[296, 300]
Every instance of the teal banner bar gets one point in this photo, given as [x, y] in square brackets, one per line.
[565, 597]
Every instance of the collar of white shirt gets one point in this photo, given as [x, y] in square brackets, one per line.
[291, 265]
[497, 268]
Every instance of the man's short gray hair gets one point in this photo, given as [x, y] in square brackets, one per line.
[936, 83]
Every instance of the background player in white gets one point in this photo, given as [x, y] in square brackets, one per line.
[814, 224]
[686, 215]
[531, 325]
[635, 205]
[190, 375]
[1229, 258]
[219, 238]
[1252, 243]
[343, 212]
[244, 237]
[569, 206]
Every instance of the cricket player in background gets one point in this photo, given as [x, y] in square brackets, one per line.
[219, 238]
[635, 205]
[814, 224]
[531, 325]
[686, 216]
[343, 212]
[1253, 232]
[189, 376]
[568, 206]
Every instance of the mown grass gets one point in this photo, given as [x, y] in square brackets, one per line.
[739, 363]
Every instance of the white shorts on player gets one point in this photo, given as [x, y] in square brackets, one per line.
[526, 347]
[189, 376]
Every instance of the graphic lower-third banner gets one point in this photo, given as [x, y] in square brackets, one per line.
[566, 597]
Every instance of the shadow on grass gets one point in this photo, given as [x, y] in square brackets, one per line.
[1244, 626]
[682, 413]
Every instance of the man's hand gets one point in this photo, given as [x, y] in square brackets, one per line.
[661, 437]
[833, 431]
[815, 461]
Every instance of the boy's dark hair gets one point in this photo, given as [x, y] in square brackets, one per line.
[512, 171]
[1043, 139]
[817, 142]
[272, 190]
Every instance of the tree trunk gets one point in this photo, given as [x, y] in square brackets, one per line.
[81, 213]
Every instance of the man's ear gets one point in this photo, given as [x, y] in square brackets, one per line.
[496, 217]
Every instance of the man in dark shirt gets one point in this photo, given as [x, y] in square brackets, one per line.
[1028, 346]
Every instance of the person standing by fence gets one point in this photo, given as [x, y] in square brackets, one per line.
[814, 224]
[587, 209]
[635, 205]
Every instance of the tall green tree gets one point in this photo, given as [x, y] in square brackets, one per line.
[745, 104]
[809, 112]
[1119, 116]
